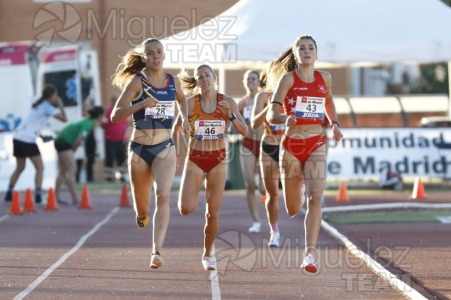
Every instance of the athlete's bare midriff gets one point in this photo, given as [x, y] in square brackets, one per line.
[150, 136]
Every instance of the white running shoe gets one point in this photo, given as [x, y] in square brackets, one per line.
[274, 240]
[156, 260]
[255, 227]
[309, 264]
[209, 263]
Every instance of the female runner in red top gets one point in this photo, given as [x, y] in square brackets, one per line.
[306, 97]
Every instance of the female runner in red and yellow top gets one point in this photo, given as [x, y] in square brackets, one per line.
[209, 113]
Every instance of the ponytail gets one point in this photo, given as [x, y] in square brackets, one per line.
[187, 81]
[285, 62]
[47, 92]
[131, 64]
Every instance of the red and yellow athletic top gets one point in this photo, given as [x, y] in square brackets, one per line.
[272, 129]
[207, 126]
[306, 100]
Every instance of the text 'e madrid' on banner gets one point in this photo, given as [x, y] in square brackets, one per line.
[364, 153]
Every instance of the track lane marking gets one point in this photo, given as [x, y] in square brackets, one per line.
[405, 289]
[214, 280]
[66, 255]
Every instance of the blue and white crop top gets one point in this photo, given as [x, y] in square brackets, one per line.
[161, 116]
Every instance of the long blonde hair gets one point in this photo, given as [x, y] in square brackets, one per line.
[131, 64]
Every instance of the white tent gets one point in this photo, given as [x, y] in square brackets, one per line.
[351, 32]
[346, 31]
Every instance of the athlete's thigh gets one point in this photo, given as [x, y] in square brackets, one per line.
[315, 171]
[141, 178]
[216, 180]
[248, 162]
[269, 169]
[67, 161]
[192, 179]
[37, 161]
[291, 175]
[163, 169]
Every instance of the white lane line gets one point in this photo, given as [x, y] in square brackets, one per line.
[66, 255]
[214, 281]
[377, 268]
[4, 218]
[403, 205]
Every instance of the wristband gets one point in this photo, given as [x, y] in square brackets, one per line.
[334, 122]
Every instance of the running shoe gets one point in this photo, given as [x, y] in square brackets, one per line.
[209, 263]
[255, 227]
[8, 196]
[274, 240]
[37, 198]
[156, 260]
[309, 264]
[142, 221]
[61, 202]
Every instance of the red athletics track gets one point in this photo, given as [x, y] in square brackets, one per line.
[417, 252]
[101, 254]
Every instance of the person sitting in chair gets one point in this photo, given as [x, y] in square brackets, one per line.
[391, 179]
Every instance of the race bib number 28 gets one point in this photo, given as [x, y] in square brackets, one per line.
[163, 110]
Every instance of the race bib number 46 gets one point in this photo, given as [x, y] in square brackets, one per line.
[209, 130]
[163, 110]
[310, 107]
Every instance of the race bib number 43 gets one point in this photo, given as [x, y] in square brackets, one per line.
[310, 107]
[163, 110]
[209, 130]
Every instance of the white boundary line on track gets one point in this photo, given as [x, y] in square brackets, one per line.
[66, 255]
[386, 206]
[4, 218]
[214, 280]
[377, 268]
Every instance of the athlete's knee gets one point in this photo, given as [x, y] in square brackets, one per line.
[186, 209]
[162, 198]
[212, 217]
[314, 201]
[293, 209]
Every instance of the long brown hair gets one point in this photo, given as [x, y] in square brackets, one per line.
[188, 82]
[131, 64]
[285, 62]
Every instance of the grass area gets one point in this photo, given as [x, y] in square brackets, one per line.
[392, 216]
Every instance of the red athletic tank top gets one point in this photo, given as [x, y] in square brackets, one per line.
[306, 100]
[199, 115]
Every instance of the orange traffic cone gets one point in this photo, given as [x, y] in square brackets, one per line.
[29, 202]
[343, 193]
[15, 208]
[85, 202]
[124, 197]
[51, 201]
[418, 190]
